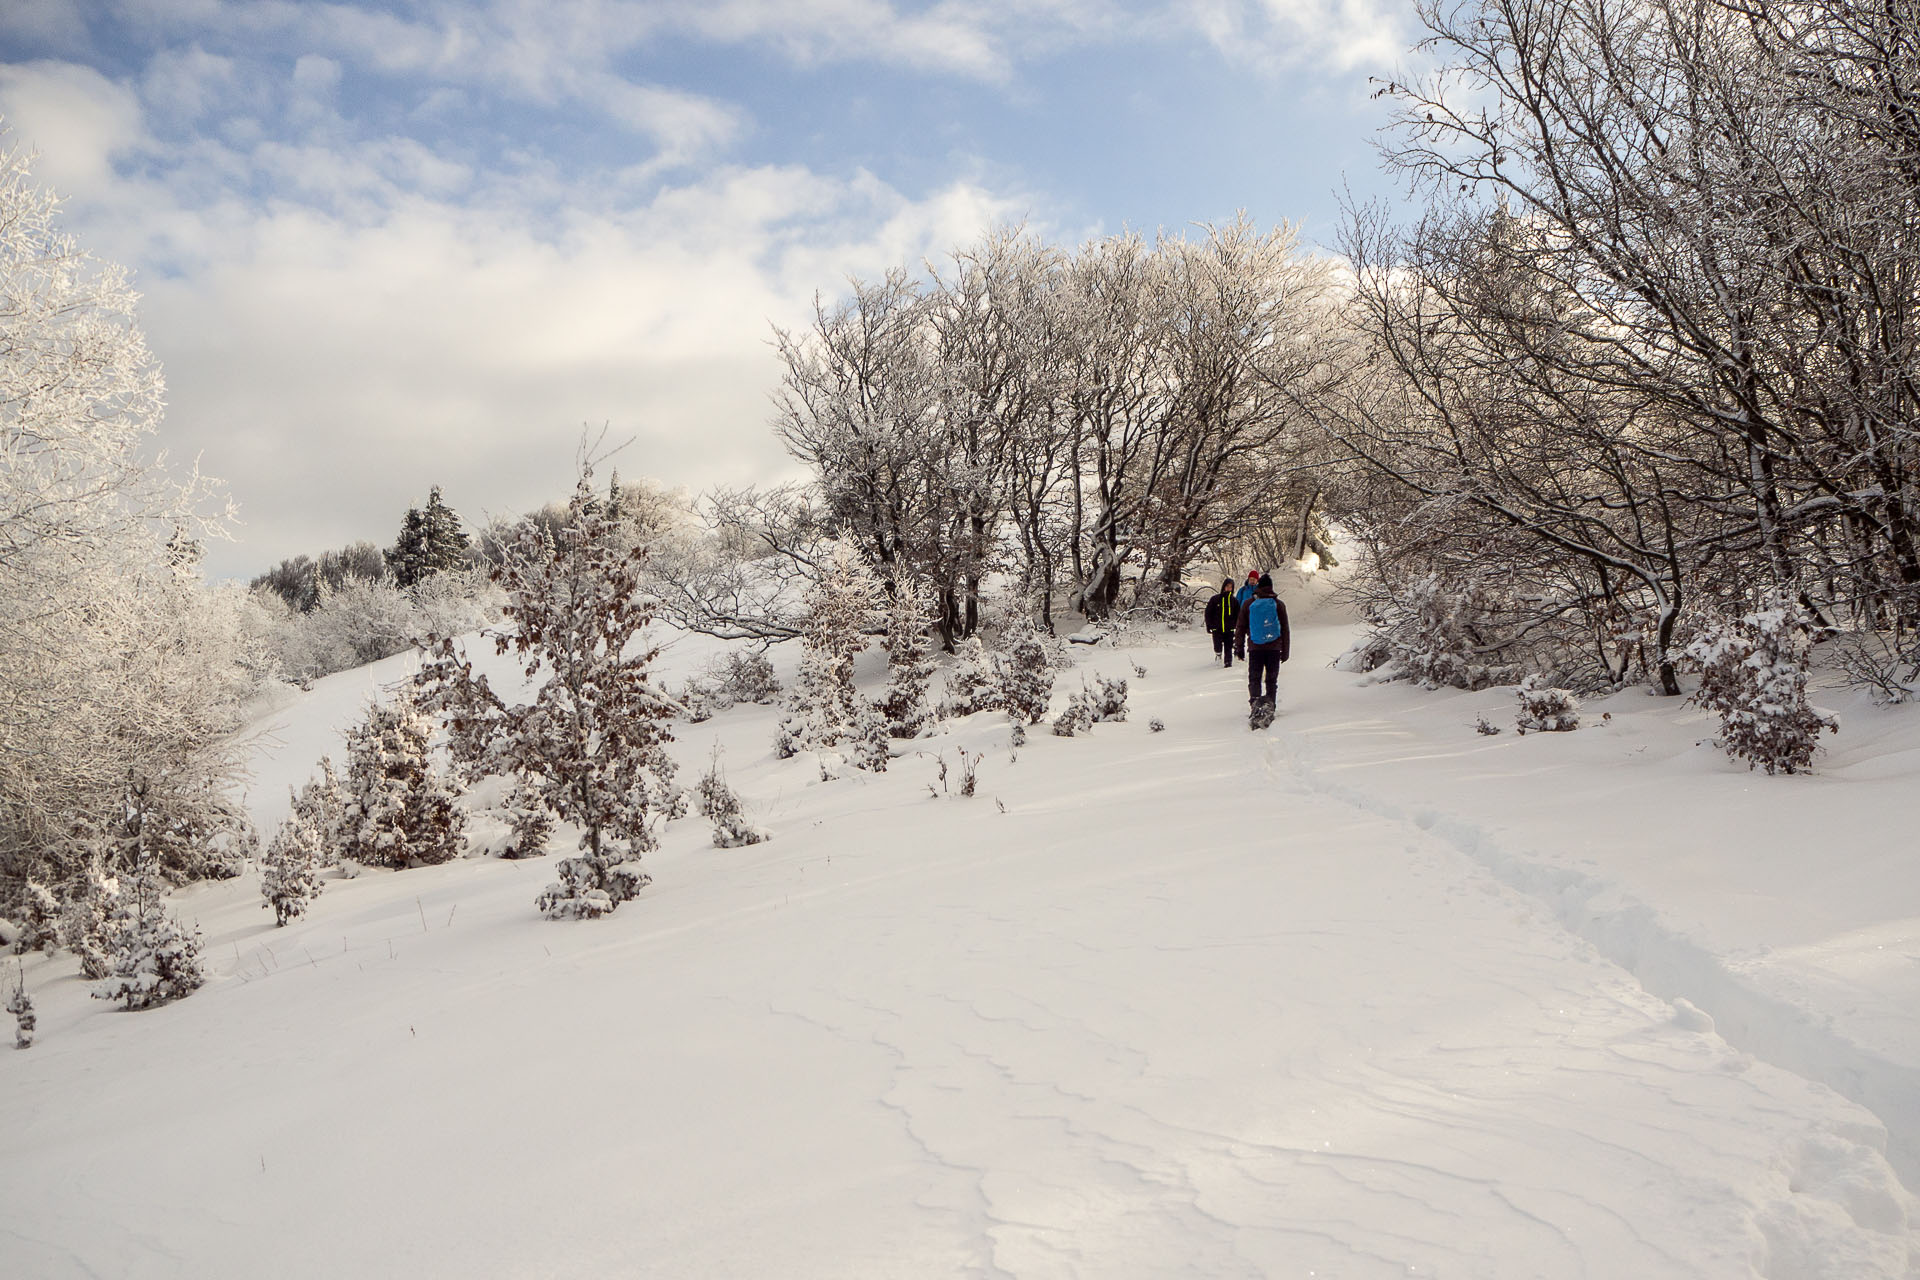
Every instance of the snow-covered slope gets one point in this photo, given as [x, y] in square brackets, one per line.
[1367, 995]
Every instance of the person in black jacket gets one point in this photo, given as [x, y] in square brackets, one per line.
[1263, 638]
[1221, 615]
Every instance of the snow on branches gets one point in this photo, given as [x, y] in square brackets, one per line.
[1753, 673]
[1545, 709]
[400, 808]
[825, 712]
[590, 748]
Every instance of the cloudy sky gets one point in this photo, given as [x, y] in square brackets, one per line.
[386, 244]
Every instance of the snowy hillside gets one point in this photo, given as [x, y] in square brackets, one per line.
[1368, 995]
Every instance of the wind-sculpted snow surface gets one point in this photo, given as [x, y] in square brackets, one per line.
[1187, 1003]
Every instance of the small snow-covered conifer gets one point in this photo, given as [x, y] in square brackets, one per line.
[151, 957]
[291, 877]
[1753, 673]
[909, 662]
[1545, 709]
[400, 807]
[971, 685]
[91, 901]
[20, 1005]
[1109, 700]
[590, 749]
[1024, 674]
[825, 711]
[39, 920]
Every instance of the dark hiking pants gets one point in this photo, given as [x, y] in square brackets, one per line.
[1223, 646]
[1262, 662]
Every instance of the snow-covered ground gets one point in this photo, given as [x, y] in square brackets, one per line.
[1367, 995]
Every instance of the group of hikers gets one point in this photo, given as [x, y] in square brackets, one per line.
[1251, 624]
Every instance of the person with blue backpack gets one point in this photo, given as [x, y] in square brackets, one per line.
[1263, 638]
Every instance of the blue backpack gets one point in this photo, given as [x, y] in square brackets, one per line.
[1263, 620]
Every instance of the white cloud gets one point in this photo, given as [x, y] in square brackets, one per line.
[1282, 34]
[184, 84]
[78, 120]
[383, 325]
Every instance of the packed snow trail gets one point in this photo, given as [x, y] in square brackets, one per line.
[1151, 1004]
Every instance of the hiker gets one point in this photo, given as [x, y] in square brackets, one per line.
[1247, 588]
[1263, 638]
[1222, 612]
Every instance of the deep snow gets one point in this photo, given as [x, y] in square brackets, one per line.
[1366, 995]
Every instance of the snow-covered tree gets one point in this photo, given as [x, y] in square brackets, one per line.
[20, 1005]
[151, 958]
[400, 808]
[291, 875]
[1753, 674]
[1024, 674]
[112, 652]
[971, 685]
[39, 920]
[909, 663]
[89, 902]
[590, 748]
[825, 711]
[430, 541]
[719, 805]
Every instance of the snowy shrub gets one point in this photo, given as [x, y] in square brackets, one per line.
[291, 876]
[39, 920]
[971, 685]
[400, 809]
[83, 921]
[1156, 725]
[151, 957]
[825, 712]
[909, 663]
[529, 823]
[1753, 674]
[733, 831]
[713, 798]
[20, 1005]
[1108, 701]
[1077, 718]
[1017, 733]
[1024, 677]
[747, 676]
[1482, 725]
[1434, 633]
[1544, 709]
[590, 749]
[322, 804]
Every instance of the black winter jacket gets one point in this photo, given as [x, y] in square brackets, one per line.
[1221, 613]
[1284, 644]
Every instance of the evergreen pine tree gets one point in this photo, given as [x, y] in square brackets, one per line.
[972, 684]
[825, 712]
[291, 877]
[1024, 676]
[909, 663]
[151, 958]
[590, 748]
[400, 808]
[39, 920]
[430, 541]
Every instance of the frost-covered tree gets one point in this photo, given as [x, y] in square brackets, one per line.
[909, 663]
[39, 920]
[590, 748]
[1024, 674]
[431, 541]
[20, 1005]
[113, 654]
[400, 808]
[825, 711]
[151, 958]
[971, 685]
[291, 876]
[1753, 674]
[720, 806]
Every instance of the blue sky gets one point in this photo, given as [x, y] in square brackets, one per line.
[390, 245]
